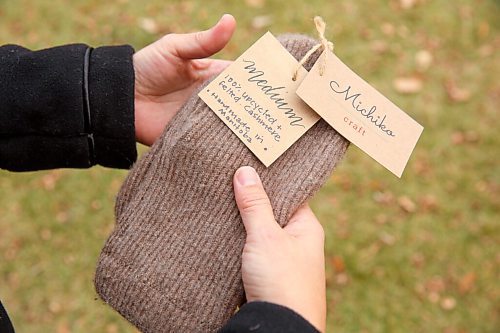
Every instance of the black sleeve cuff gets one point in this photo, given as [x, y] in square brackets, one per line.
[111, 99]
[267, 318]
[44, 119]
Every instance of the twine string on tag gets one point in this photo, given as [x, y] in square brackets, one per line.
[323, 45]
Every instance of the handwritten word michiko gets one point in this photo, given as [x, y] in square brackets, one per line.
[256, 76]
[370, 114]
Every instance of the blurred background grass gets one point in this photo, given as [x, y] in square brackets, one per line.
[420, 254]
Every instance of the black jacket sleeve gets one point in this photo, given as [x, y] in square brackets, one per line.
[70, 106]
[262, 317]
[5, 324]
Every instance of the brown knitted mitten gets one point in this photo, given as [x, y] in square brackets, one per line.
[172, 263]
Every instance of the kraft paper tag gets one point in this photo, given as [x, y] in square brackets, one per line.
[256, 98]
[360, 113]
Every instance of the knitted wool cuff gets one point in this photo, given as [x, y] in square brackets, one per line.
[172, 263]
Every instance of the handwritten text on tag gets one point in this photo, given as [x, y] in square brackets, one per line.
[360, 113]
[255, 97]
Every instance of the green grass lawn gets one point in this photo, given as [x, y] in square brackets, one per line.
[420, 254]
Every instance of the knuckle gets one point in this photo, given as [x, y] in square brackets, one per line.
[167, 39]
[252, 202]
[321, 231]
[318, 230]
[198, 36]
[201, 39]
[269, 235]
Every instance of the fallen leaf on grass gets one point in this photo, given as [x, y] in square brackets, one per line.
[379, 46]
[63, 328]
[407, 204]
[149, 25]
[255, 3]
[448, 303]
[455, 93]
[69, 259]
[428, 203]
[467, 283]
[408, 85]
[384, 198]
[486, 50]
[112, 328]
[465, 12]
[381, 219]
[338, 264]
[433, 297]
[343, 180]
[62, 217]
[387, 239]
[55, 306]
[341, 279]
[483, 30]
[13, 281]
[333, 200]
[45, 234]
[261, 22]
[49, 181]
[463, 137]
[388, 29]
[96, 205]
[422, 166]
[423, 59]
[10, 254]
[418, 260]
[408, 4]
[435, 285]
[376, 185]
[491, 187]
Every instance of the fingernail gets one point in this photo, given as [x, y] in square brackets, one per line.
[247, 176]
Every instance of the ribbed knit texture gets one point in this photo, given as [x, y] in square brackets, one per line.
[172, 263]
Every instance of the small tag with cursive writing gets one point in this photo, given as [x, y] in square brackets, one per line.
[255, 97]
[360, 113]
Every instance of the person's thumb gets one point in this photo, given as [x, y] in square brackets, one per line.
[203, 44]
[252, 200]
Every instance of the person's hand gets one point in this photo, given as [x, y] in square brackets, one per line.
[169, 70]
[282, 266]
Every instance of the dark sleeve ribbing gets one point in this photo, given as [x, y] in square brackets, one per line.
[267, 318]
[44, 121]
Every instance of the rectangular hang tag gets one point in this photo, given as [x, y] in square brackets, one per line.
[255, 97]
[360, 113]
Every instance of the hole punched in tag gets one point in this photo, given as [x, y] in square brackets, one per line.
[323, 45]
